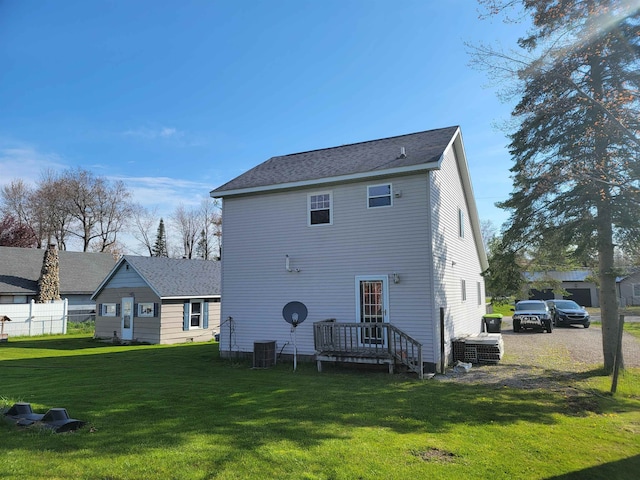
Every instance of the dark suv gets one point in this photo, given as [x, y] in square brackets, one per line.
[568, 312]
[532, 314]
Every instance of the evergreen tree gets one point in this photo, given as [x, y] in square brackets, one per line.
[160, 247]
[202, 248]
[576, 175]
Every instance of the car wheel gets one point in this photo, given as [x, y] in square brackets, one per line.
[516, 326]
[586, 325]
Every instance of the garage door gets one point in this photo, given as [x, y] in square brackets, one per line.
[540, 294]
[582, 296]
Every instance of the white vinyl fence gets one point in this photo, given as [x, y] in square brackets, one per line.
[29, 319]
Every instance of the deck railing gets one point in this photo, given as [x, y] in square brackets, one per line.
[368, 341]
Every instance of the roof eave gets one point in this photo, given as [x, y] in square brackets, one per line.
[187, 297]
[423, 167]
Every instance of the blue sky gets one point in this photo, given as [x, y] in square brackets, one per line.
[178, 97]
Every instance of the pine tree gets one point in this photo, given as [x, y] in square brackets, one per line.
[576, 177]
[160, 247]
[202, 248]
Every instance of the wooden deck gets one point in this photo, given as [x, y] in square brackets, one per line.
[377, 344]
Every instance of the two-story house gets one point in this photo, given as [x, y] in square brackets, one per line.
[383, 232]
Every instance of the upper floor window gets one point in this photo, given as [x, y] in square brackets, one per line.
[320, 209]
[379, 195]
[460, 223]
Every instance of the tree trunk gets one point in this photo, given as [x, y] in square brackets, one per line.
[604, 226]
[608, 296]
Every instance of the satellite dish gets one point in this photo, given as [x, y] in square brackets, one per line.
[295, 313]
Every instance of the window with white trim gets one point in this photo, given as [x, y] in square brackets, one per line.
[195, 314]
[479, 293]
[108, 310]
[463, 288]
[146, 309]
[636, 289]
[460, 223]
[320, 208]
[379, 196]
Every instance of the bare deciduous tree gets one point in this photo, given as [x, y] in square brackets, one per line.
[143, 226]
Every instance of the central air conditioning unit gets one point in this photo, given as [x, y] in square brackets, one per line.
[264, 353]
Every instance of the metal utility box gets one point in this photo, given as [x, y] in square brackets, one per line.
[264, 353]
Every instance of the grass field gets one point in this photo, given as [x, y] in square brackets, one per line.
[181, 412]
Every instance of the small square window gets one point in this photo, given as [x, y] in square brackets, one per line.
[320, 209]
[379, 196]
[146, 310]
[108, 310]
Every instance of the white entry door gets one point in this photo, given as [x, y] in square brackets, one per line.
[371, 307]
[127, 318]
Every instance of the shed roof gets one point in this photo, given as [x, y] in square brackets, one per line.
[80, 272]
[173, 277]
[357, 160]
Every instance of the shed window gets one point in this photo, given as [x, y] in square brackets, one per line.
[108, 310]
[460, 223]
[196, 314]
[636, 289]
[320, 209]
[463, 288]
[146, 310]
[379, 195]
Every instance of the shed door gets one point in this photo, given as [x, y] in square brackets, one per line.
[371, 307]
[127, 318]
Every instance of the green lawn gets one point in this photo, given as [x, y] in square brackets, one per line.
[182, 412]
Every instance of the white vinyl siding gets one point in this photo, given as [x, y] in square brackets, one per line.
[454, 252]
[261, 230]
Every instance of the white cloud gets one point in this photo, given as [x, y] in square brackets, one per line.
[153, 133]
[165, 193]
[26, 163]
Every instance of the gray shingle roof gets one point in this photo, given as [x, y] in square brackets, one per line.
[560, 275]
[375, 156]
[177, 277]
[80, 272]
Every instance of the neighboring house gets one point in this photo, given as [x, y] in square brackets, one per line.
[629, 289]
[578, 284]
[159, 300]
[382, 232]
[80, 275]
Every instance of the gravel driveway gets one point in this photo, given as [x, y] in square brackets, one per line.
[534, 359]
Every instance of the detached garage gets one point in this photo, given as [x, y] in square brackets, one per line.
[577, 283]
